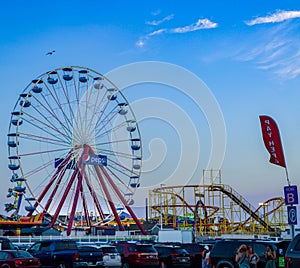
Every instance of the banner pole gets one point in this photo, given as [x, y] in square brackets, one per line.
[287, 176]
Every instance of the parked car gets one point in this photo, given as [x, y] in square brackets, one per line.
[195, 250]
[173, 256]
[223, 252]
[137, 254]
[89, 256]
[18, 259]
[111, 257]
[57, 252]
[292, 255]
[5, 243]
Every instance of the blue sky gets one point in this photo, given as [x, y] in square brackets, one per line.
[247, 55]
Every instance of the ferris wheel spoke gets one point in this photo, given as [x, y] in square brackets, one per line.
[43, 139]
[44, 127]
[99, 104]
[112, 142]
[128, 190]
[57, 99]
[70, 109]
[106, 104]
[107, 119]
[38, 169]
[125, 168]
[116, 154]
[48, 109]
[42, 152]
[115, 128]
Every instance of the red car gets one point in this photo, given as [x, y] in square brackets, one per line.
[137, 255]
[18, 259]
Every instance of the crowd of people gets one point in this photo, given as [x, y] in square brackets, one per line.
[247, 258]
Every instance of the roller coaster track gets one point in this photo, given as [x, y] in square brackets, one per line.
[193, 210]
[242, 202]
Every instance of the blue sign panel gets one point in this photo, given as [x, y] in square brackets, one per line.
[93, 159]
[291, 195]
[292, 215]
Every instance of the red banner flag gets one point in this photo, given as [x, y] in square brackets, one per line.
[271, 136]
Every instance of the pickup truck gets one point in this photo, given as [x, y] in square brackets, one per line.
[64, 253]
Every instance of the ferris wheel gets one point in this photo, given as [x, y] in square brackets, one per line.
[74, 147]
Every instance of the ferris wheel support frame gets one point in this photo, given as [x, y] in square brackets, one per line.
[96, 201]
[69, 185]
[122, 199]
[78, 190]
[132, 214]
[54, 177]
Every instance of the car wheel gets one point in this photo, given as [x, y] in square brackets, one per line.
[126, 265]
[5, 266]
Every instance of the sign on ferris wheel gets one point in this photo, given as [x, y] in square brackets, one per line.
[94, 159]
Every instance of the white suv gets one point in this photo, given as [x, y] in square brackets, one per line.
[111, 257]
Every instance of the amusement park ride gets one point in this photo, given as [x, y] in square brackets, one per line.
[212, 208]
[74, 145]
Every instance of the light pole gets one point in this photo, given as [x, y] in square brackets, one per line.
[161, 212]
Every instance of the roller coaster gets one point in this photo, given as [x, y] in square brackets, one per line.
[213, 208]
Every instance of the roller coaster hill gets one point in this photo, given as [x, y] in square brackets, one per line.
[214, 209]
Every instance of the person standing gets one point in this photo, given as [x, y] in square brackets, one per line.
[204, 258]
[242, 257]
[253, 257]
[270, 257]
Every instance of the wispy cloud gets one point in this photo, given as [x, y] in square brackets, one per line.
[276, 51]
[158, 22]
[156, 12]
[279, 16]
[142, 41]
[160, 31]
[199, 25]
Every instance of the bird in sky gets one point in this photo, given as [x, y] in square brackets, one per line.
[50, 52]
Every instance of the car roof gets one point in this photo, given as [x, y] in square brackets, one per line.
[167, 246]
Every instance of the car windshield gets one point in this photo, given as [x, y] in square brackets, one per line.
[143, 248]
[109, 250]
[65, 244]
[179, 251]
